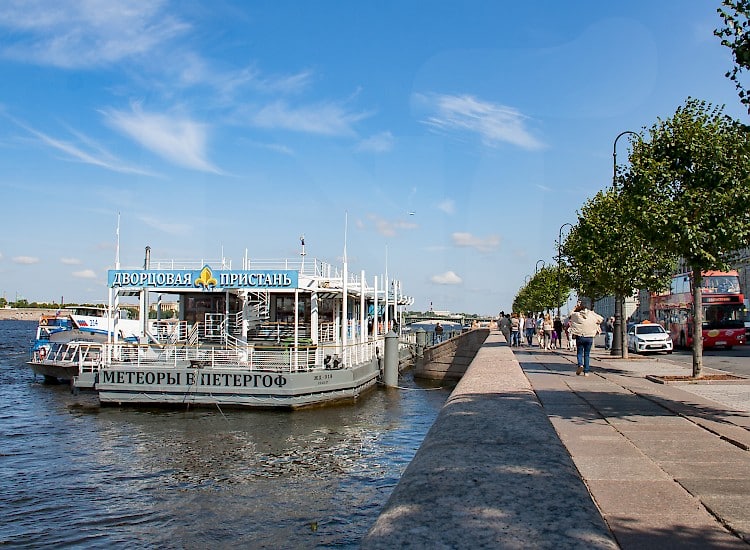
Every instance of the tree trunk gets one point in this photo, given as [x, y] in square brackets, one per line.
[697, 324]
[623, 328]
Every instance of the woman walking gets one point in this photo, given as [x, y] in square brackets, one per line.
[547, 327]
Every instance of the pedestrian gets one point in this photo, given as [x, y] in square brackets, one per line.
[609, 329]
[547, 328]
[515, 330]
[504, 324]
[529, 327]
[558, 329]
[569, 335]
[439, 332]
[585, 325]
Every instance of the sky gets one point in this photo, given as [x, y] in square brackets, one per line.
[445, 141]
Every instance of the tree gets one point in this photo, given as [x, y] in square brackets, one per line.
[608, 254]
[541, 292]
[690, 191]
[736, 36]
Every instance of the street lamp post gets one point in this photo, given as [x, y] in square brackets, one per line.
[619, 327]
[559, 261]
[536, 267]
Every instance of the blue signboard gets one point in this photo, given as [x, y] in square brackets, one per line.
[203, 279]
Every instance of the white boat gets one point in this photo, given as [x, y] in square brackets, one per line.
[283, 333]
[74, 325]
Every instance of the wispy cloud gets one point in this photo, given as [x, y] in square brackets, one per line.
[84, 274]
[390, 228]
[177, 139]
[70, 261]
[447, 278]
[448, 206]
[486, 244]
[84, 34]
[166, 227]
[25, 260]
[253, 79]
[379, 143]
[86, 151]
[328, 119]
[494, 123]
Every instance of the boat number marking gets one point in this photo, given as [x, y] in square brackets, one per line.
[323, 379]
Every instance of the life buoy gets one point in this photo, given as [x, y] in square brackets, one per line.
[43, 321]
[42, 353]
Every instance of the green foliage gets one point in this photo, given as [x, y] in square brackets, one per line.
[688, 186]
[607, 253]
[735, 35]
[548, 289]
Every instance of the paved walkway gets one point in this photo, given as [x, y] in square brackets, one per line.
[667, 465]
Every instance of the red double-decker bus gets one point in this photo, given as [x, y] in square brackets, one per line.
[723, 309]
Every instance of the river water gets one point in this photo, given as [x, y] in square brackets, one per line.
[73, 474]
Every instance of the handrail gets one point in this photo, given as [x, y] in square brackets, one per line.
[244, 356]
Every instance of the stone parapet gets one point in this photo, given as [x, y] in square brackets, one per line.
[450, 359]
[491, 472]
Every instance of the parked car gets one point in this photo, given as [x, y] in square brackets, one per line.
[648, 337]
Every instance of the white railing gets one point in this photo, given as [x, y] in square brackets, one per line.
[169, 331]
[326, 332]
[242, 357]
[190, 264]
[87, 357]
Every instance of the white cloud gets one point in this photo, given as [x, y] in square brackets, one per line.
[166, 227]
[25, 260]
[487, 244]
[447, 278]
[177, 139]
[86, 151]
[328, 119]
[85, 33]
[275, 147]
[448, 206]
[379, 143]
[84, 274]
[389, 228]
[494, 123]
[252, 78]
[70, 261]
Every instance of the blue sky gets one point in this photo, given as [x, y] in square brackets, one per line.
[455, 137]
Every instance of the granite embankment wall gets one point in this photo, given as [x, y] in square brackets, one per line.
[25, 314]
[450, 359]
[491, 472]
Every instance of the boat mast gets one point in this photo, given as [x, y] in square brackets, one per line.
[112, 313]
[344, 306]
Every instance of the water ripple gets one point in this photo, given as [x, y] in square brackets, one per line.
[74, 474]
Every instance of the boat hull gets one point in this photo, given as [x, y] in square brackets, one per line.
[161, 385]
[54, 372]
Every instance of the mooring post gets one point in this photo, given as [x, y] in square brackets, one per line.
[421, 341]
[390, 373]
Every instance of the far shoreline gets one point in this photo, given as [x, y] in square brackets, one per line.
[26, 314]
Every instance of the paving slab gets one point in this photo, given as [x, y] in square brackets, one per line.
[666, 466]
[525, 454]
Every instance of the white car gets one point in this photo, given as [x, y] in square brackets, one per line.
[649, 337]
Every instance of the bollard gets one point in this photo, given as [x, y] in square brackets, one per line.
[390, 371]
[421, 342]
